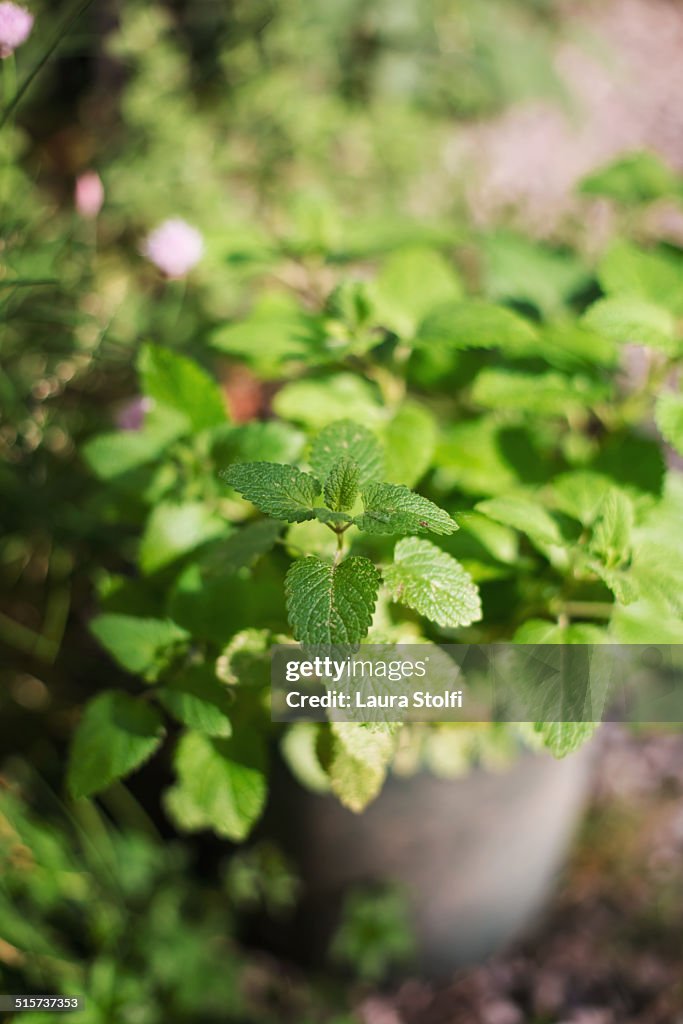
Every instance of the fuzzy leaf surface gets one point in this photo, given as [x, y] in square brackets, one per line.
[394, 508]
[283, 492]
[341, 485]
[331, 604]
[433, 583]
[346, 438]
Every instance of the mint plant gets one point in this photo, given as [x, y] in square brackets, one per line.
[332, 601]
[399, 403]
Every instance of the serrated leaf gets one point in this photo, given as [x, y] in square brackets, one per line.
[358, 763]
[669, 417]
[409, 439]
[563, 738]
[525, 514]
[412, 282]
[341, 485]
[175, 381]
[175, 528]
[138, 645]
[328, 515]
[115, 736]
[620, 583]
[612, 530]
[633, 320]
[346, 438]
[197, 700]
[246, 659]
[283, 492]
[393, 508]
[433, 583]
[221, 784]
[331, 604]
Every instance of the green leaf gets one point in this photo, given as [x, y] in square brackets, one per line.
[243, 547]
[580, 494]
[669, 417]
[346, 438]
[221, 784]
[639, 177]
[540, 631]
[139, 645]
[519, 268]
[341, 485]
[112, 455]
[283, 492]
[327, 515]
[359, 760]
[173, 529]
[274, 333]
[546, 394]
[393, 508]
[477, 324]
[409, 440]
[411, 283]
[612, 531]
[319, 402]
[525, 514]
[633, 320]
[471, 456]
[563, 738]
[174, 380]
[115, 736]
[331, 604]
[245, 661]
[620, 583]
[652, 275]
[432, 583]
[271, 441]
[197, 700]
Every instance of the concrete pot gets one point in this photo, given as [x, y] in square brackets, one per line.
[478, 856]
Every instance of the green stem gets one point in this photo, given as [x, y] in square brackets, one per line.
[64, 29]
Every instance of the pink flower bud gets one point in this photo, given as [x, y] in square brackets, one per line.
[89, 194]
[15, 27]
[174, 247]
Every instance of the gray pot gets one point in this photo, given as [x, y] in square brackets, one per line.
[478, 857]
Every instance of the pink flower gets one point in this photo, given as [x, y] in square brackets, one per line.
[15, 27]
[89, 194]
[174, 247]
[131, 415]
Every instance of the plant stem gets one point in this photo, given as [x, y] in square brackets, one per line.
[340, 546]
[64, 29]
[9, 85]
[585, 609]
